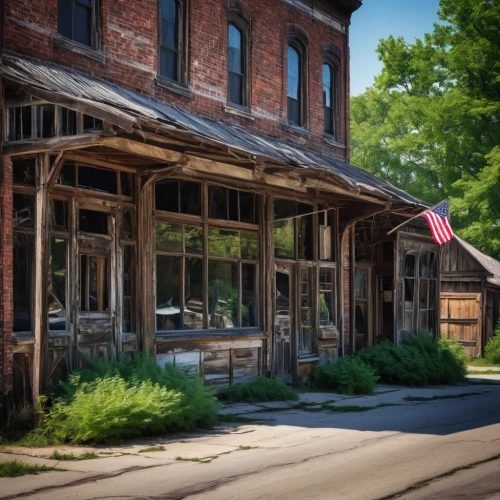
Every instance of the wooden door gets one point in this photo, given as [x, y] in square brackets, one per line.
[95, 291]
[461, 320]
[283, 323]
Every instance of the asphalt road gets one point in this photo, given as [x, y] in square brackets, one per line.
[420, 450]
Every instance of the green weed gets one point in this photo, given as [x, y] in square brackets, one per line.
[153, 448]
[483, 372]
[492, 349]
[64, 456]
[263, 389]
[15, 468]
[445, 396]
[346, 376]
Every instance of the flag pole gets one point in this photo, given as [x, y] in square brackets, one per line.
[418, 215]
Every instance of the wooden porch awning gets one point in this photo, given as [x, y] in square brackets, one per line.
[150, 120]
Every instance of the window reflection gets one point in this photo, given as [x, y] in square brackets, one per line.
[57, 285]
[223, 294]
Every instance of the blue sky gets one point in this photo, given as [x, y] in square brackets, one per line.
[378, 19]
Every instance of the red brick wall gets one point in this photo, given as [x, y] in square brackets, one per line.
[6, 283]
[129, 43]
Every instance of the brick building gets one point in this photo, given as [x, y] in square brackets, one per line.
[175, 179]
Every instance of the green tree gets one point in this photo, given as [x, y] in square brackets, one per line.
[430, 122]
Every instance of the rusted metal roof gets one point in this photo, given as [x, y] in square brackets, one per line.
[137, 110]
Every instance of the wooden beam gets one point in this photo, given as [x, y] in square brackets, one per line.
[54, 144]
[141, 149]
[90, 160]
[40, 351]
[54, 171]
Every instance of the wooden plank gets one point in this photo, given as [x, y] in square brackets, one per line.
[139, 148]
[40, 352]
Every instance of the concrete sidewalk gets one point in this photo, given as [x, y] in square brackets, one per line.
[248, 427]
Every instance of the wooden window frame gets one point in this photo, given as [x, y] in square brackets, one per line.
[95, 38]
[298, 40]
[182, 48]
[207, 223]
[239, 21]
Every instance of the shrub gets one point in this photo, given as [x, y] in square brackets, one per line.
[263, 389]
[347, 376]
[492, 349]
[128, 397]
[421, 361]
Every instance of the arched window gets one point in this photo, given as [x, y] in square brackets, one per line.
[236, 66]
[294, 89]
[329, 99]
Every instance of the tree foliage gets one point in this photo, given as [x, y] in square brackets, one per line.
[430, 123]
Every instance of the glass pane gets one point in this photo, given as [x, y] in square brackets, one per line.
[193, 239]
[223, 243]
[126, 184]
[249, 207]
[57, 285]
[23, 210]
[361, 284]
[410, 265]
[249, 246]
[424, 290]
[190, 193]
[293, 72]
[22, 275]
[234, 37]
[325, 238]
[64, 18]
[26, 121]
[328, 120]
[94, 283]
[249, 299]
[169, 35]
[15, 132]
[97, 179]
[168, 312]
[82, 24]
[193, 294]
[223, 294]
[282, 294]
[127, 325]
[91, 123]
[327, 84]
[427, 268]
[360, 318]
[284, 245]
[235, 61]
[91, 221]
[217, 202]
[423, 317]
[169, 10]
[305, 234]
[293, 111]
[432, 294]
[68, 121]
[67, 176]
[169, 237]
[24, 171]
[236, 89]
[167, 196]
[306, 317]
[326, 304]
[233, 205]
[409, 294]
[126, 228]
[45, 120]
[58, 214]
[168, 63]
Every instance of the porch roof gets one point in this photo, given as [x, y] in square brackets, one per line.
[134, 113]
[488, 263]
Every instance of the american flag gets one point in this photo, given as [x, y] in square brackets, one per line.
[437, 218]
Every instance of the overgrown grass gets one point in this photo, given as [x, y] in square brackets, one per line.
[263, 389]
[480, 362]
[483, 372]
[422, 361]
[69, 456]
[346, 376]
[15, 423]
[15, 468]
[124, 398]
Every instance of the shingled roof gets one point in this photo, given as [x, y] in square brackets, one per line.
[133, 111]
[489, 264]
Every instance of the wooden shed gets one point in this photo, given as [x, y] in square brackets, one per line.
[470, 295]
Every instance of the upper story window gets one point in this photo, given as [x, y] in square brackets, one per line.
[171, 57]
[77, 21]
[329, 99]
[236, 66]
[294, 90]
